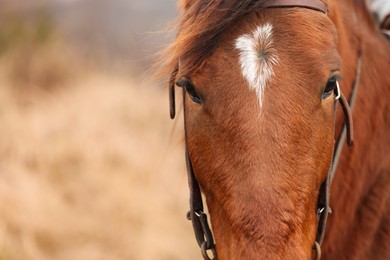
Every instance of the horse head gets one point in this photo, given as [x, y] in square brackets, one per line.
[260, 82]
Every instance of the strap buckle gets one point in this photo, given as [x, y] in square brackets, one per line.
[208, 240]
[205, 239]
[337, 91]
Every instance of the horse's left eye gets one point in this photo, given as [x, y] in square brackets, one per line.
[330, 87]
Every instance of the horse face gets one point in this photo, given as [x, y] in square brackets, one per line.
[260, 131]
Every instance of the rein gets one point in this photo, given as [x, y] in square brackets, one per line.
[203, 233]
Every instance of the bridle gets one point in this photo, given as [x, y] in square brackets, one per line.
[203, 233]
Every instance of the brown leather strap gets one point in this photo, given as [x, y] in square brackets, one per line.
[172, 83]
[348, 133]
[348, 118]
[196, 215]
[324, 196]
[317, 251]
[310, 4]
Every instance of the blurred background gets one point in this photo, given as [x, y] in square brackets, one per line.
[91, 166]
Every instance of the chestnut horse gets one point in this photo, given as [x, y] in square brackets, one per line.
[260, 82]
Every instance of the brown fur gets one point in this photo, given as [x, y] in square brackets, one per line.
[261, 172]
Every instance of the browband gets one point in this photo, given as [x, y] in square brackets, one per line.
[310, 4]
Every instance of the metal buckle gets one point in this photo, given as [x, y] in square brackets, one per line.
[337, 91]
[208, 236]
[204, 235]
[320, 210]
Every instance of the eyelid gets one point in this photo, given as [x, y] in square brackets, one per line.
[337, 76]
[180, 83]
[183, 81]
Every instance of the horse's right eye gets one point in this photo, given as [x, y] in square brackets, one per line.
[192, 93]
[190, 89]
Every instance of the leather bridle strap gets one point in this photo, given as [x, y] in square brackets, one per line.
[345, 133]
[323, 208]
[203, 234]
[316, 5]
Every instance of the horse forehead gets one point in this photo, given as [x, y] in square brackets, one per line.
[257, 57]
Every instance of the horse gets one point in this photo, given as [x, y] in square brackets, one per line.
[261, 80]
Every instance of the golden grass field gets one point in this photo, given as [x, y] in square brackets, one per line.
[91, 166]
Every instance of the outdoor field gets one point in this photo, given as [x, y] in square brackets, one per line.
[91, 166]
[287, 122]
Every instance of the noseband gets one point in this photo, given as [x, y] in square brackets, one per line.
[196, 214]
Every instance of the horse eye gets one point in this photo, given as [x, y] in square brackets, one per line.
[190, 89]
[330, 87]
[193, 95]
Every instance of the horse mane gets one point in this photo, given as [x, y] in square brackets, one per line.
[201, 25]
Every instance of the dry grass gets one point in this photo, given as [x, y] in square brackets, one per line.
[91, 171]
[89, 165]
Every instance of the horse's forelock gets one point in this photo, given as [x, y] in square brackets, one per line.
[201, 25]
